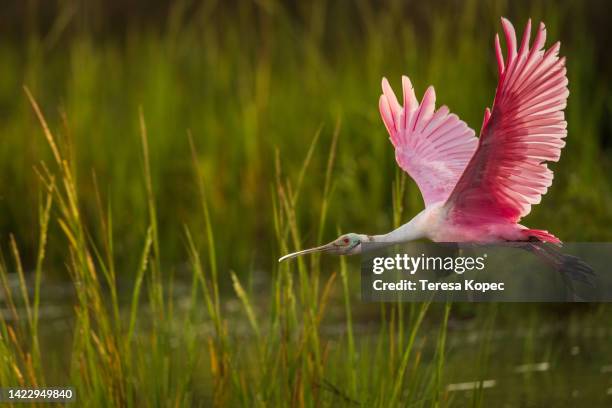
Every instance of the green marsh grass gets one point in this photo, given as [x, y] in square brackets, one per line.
[248, 80]
[196, 153]
[287, 361]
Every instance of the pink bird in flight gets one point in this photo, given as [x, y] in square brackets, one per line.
[478, 189]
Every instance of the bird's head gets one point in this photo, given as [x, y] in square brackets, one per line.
[347, 244]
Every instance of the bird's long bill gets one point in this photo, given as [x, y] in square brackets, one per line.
[306, 251]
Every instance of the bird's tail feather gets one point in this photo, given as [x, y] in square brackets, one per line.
[541, 235]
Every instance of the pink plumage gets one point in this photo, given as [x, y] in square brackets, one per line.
[477, 189]
[480, 188]
[432, 146]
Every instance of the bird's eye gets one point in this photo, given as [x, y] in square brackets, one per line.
[346, 240]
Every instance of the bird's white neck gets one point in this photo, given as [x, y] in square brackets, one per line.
[410, 231]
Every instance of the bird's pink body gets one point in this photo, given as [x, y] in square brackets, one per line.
[436, 224]
[477, 189]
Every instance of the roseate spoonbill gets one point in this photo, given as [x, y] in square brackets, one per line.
[477, 189]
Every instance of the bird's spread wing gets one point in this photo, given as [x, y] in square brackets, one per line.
[432, 146]
[524, 130]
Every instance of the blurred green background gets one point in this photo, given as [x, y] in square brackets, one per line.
[254, 83]
[250, 79]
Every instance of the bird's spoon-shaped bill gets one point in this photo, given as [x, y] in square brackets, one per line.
[321, 248]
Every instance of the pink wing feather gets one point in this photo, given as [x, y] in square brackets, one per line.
[508, 172]
[433, 147]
